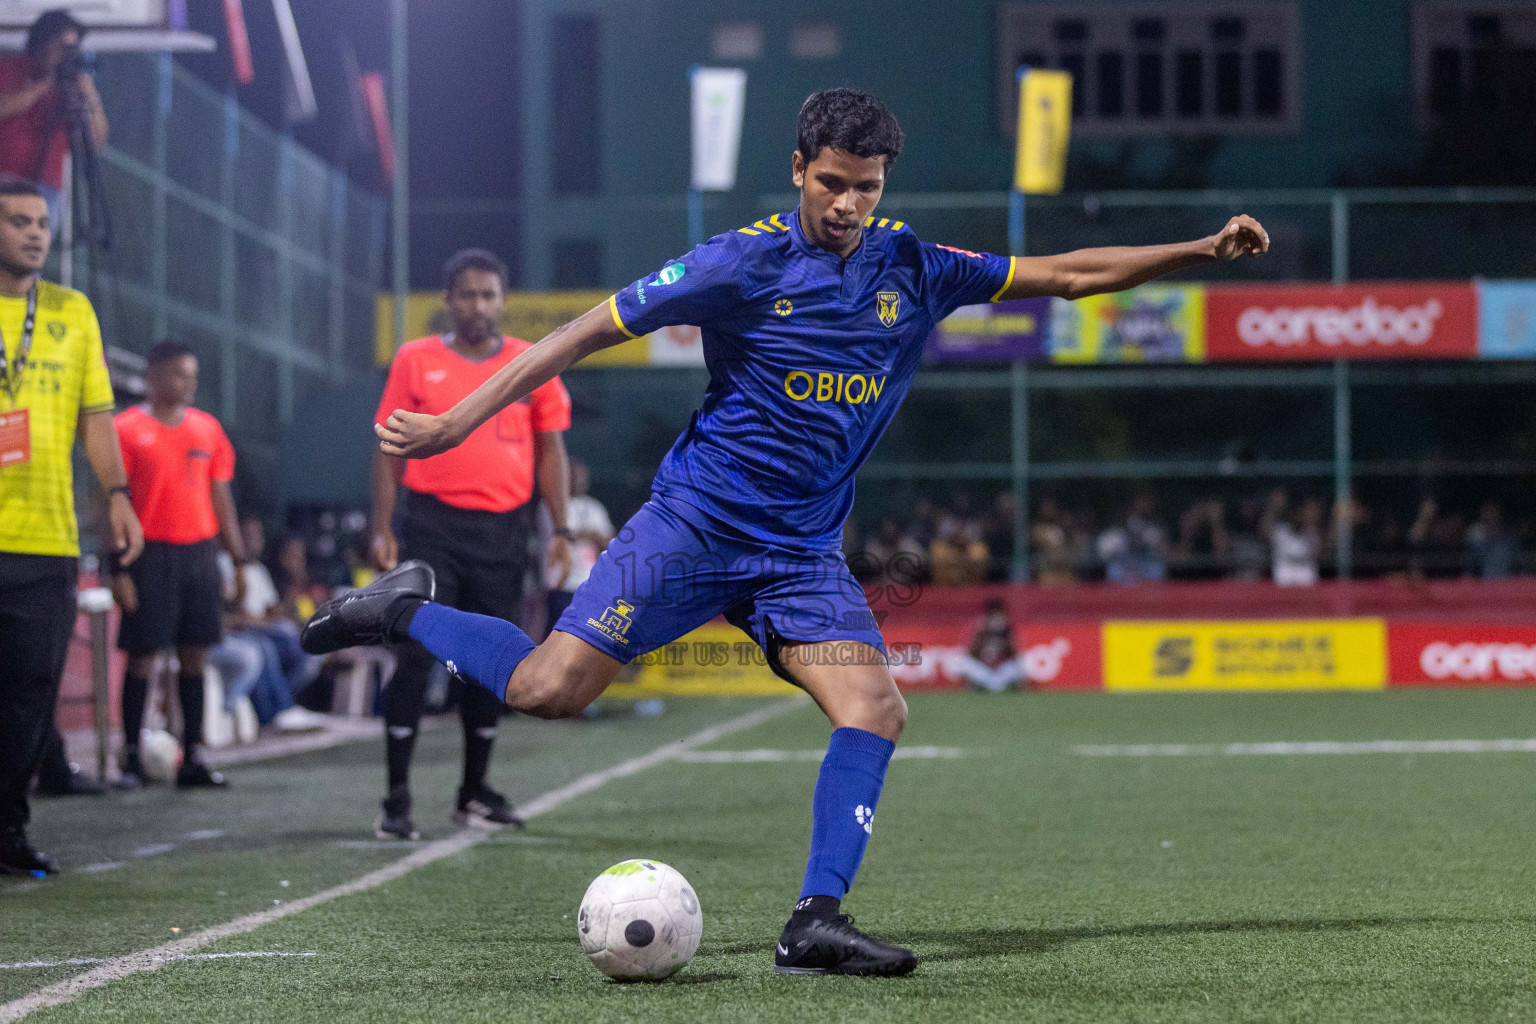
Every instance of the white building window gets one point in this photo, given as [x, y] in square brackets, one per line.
[1195, 67]
[737, 40]
[1474, 59]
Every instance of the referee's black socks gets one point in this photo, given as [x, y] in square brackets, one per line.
[190, 688]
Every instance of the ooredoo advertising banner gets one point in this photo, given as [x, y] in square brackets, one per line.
[1428, 320]
[1448, 654]
[1052, 657]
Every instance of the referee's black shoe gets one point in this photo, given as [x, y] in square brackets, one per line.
[832, 945]
[20, 857]
[364, 616]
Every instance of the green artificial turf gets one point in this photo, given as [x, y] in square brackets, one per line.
[1035, 883]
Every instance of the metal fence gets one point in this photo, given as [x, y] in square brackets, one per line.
[230, 237]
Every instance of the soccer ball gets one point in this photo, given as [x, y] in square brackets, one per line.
[160, 754]
[640, 920]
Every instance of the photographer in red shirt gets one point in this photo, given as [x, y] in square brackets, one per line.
[38, 90]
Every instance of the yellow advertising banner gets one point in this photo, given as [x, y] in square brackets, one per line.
[1256, 654]
[1150, 324]
[528, 315]
[1045, 127]
[712, 661]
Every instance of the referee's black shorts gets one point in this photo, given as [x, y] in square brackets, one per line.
[181, 598]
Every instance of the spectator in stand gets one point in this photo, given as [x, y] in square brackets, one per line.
[1051, 540]
[1135, 550]
[1205, 549]
[993, 661]
[956, 553]
[1295, 539]
[591, 530]
[1248, 543]
[37, 88]
[997, 535]
[1491, 548]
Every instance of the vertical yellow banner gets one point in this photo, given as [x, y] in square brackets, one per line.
[1045, 127]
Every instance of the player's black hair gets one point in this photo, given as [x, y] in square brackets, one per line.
[165, 351]
[472, 259]
[48, 25]
[13, 186]
[850, 120]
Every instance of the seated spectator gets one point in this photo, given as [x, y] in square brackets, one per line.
[1295, 541]
[1051, 541]
[993, 661]
[260, 655]
[1135, 550]
[1491, 547]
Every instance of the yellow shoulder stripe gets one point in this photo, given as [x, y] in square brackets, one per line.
[1013, 266]
[613, 307]
[774, 220]
[747, 231]
[868, 221]
[897, 225]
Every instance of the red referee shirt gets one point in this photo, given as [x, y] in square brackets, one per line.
[493, 469]
[170, 470]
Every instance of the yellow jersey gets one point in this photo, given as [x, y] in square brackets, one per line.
[65, 375]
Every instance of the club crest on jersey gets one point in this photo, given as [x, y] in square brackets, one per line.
[888, 305]
[57, 329]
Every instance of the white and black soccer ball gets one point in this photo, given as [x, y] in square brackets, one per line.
[160, 755]
[640, 921]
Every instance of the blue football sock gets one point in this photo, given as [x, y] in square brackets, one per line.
[480, 648]
[843, 809]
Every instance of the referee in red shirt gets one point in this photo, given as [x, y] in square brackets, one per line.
[466, 514]
[179, 466]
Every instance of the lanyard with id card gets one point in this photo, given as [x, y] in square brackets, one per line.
[16, 425]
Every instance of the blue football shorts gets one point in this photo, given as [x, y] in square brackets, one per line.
[674, 567]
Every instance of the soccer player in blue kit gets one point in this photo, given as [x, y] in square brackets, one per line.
[813, 323]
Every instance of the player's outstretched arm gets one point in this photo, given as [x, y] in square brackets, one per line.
[415, 435]
[1073, 275]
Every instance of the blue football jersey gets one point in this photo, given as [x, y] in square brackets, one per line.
[809, 357]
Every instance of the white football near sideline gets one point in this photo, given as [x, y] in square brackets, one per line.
[640, 920]
[160, 754]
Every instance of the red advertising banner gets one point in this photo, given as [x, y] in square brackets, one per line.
[1053, 657]
[1452, 654]
[1429, 320]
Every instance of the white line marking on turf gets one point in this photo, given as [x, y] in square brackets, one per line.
[117, 968]
[153, 850]
[1309, 747]
[762, 756]
[96, 869]
[84, 960]
[205, 833]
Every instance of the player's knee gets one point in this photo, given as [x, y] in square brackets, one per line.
[885, 711]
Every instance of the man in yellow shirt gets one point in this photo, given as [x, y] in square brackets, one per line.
[53, 384]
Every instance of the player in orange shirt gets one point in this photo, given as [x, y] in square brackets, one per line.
[466, 514]
[179, 466]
